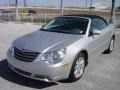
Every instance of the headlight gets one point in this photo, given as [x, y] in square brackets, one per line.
[54, 57]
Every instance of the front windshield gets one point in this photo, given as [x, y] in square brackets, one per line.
[69, 25]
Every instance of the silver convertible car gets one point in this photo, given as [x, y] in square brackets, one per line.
[62, 48]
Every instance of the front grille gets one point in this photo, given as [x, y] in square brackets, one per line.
[25, 55]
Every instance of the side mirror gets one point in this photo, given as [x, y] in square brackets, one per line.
[96, 32]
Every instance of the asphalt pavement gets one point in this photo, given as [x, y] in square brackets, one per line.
[102, 73]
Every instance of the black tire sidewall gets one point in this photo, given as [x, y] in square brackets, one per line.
[72, 76]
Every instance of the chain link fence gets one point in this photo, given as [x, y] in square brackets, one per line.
[42, 18]
[24, 17]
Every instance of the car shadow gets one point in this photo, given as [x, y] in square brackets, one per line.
[9, 75]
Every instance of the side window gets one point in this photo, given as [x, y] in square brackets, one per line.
[98, 24]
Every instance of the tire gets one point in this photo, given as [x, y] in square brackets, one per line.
[78, 67]
[111, 46]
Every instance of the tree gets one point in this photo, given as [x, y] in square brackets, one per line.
[112, 14]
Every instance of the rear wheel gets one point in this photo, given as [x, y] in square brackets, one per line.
[78, 67]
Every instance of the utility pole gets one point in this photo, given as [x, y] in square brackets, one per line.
[112, 13]
[16, 9]
[86, 4]
[61, 7]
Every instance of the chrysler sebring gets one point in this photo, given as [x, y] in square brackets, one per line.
[62, 48]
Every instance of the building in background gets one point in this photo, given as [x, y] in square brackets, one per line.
[100, 6]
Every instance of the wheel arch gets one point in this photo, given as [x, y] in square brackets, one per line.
[86, 55]
[85, 52]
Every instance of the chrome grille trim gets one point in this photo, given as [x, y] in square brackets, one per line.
[25, 55]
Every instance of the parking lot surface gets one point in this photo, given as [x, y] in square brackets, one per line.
[102, 73]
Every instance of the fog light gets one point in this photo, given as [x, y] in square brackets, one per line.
[40, 76]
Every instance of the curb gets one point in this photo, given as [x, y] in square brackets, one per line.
[117, 29]
[20, 23]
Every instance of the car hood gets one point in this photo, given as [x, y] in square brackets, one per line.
[43, 41]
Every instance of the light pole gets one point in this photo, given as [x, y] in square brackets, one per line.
[25, 3]
[61, 7]
[16, 9]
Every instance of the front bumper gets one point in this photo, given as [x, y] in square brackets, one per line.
[38, 70]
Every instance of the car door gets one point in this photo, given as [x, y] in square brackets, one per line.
[106, 32]
[98, 42]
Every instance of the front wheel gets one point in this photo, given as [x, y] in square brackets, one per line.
[78, 67]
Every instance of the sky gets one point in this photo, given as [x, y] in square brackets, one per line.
[56, 3]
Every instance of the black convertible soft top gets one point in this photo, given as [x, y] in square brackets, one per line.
[87, 16]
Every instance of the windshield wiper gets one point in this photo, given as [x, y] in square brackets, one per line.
[59, 31]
